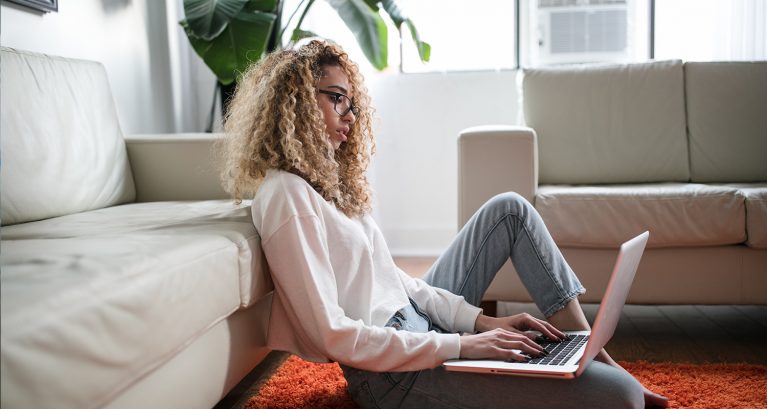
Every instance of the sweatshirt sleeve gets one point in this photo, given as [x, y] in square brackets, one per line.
[448, 310]
[298, 257]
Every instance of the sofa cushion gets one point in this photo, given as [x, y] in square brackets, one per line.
[675, 214]
[93, 301]
[756, 213]
[608, 123]
[726, 103]
[62, 148]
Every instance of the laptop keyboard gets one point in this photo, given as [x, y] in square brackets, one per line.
[559, 352]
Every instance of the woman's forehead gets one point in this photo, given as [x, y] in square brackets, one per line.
[333, 75]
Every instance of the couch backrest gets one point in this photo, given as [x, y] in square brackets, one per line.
[608, 123]
[62, 148]
[727, 120]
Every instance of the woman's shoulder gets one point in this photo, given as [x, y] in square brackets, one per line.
[282, 194]
[280, 181]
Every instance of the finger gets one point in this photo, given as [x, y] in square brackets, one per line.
[528, 339]
[554, 330]
[524, 345]
[514, 330]
[522, 337]
[533, 335]
[548, 330]
[510, 355]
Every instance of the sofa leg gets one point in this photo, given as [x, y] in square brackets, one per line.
[489, 308]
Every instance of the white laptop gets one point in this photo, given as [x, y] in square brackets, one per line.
[568, 359]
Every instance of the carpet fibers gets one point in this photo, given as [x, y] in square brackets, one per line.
[301, 384]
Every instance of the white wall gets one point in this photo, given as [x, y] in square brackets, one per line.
[415, 175]
[128, 36]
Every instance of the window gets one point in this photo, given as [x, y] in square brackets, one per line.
[575, 31]
[709, 30]
[464, 35]
[504, 34]
[483, 36]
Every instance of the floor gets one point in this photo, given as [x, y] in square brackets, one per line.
[655, 333]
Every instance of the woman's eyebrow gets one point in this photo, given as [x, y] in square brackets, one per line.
[340, 88]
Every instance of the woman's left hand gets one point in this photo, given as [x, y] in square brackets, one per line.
[520, 323]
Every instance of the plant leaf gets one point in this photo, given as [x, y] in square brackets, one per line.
[424, 49]
[373, 4]
[299, 34]
[399, 17]
[241, 43]
[368, 27]
[208, 18]
[394, 11]
[262, 5]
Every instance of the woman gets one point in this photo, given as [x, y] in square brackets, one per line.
[300, 138]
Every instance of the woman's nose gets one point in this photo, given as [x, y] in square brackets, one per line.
[349, 117]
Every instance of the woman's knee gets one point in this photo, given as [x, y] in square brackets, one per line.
[508, 202]
[611, 387]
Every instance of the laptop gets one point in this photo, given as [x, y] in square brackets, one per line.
[568, 359]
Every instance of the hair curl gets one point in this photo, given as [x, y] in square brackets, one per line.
[274, 122]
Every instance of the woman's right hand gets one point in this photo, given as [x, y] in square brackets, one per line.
[499, 344]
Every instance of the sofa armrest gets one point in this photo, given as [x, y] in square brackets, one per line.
[174, 167]
[494, 159]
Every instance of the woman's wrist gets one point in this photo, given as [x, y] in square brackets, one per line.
[484, 323]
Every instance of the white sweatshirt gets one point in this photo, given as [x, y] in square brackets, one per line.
[336, 286]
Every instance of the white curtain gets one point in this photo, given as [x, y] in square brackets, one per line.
[192, 82]
[711, 30]
[746, 41]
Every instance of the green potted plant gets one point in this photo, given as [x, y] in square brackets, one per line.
[229, 35]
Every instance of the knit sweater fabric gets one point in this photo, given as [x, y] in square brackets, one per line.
[336, 286]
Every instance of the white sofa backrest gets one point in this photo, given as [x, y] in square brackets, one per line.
[62, 148]
[727, 121]
[608, 123]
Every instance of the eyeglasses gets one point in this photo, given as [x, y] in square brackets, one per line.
[341, 103]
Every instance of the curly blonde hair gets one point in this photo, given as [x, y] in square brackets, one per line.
[274, 122]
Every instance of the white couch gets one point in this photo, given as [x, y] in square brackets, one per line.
[128, 279]
[608, 151]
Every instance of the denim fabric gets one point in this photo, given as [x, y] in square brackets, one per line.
[506, 226]
[410, 318]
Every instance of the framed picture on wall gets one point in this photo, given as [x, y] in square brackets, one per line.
[42, 5]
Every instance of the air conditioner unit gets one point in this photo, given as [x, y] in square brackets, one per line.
[572, 31]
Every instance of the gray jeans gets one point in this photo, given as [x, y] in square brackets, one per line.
[506, 226]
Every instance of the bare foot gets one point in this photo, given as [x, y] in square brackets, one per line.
[654, 400]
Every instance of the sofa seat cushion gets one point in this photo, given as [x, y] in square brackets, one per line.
[676, 214]
[93, 301]
[756, 213]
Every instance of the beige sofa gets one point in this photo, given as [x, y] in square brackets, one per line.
[128, 279]
[608, 151]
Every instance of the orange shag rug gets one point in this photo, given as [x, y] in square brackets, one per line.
[301, 384]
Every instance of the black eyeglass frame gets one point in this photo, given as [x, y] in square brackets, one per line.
[353, 108]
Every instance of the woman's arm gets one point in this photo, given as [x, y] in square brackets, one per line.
[448, 310]
[303, 276]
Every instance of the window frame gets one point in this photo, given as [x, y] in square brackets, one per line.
[518, 43]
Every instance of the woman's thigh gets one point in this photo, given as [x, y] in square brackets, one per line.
[600, 386]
